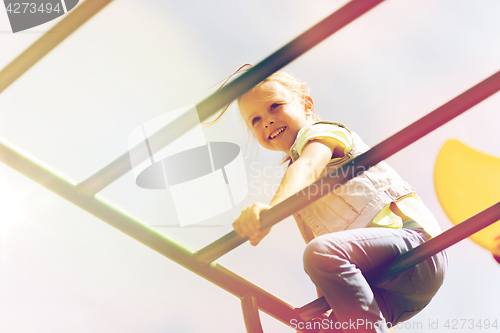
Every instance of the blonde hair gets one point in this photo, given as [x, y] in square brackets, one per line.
[287, 80]
[291, 83]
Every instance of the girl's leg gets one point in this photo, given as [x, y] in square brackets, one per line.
[335, 262]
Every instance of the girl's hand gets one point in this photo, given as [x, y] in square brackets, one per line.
[248, 224]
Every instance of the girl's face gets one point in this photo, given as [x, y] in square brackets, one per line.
[275, 115]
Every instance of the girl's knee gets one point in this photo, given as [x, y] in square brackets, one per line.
[322, 254]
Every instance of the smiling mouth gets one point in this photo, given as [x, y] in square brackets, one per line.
[277, 133]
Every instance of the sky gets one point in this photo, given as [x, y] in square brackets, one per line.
[63, 269]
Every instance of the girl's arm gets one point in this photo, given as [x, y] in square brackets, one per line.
[304, 171]
[307, 169]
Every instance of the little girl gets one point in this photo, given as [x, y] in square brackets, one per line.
[370, 219]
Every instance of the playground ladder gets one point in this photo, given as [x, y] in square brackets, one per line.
[202, 262]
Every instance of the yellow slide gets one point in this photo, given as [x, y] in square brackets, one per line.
[468, 181]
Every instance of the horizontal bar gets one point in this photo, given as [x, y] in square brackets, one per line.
[217, 274]
[415, 256]
[380, 152]
[49, 40]
[231, 91]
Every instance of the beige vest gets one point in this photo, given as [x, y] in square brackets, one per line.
[355, 203]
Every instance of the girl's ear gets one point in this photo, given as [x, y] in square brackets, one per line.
[308, 105]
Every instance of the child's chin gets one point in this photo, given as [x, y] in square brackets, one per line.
[279, 146]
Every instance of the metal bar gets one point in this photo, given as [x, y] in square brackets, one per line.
[416, 255]
[222, 277]
[231, 91]
[49, 40]
[82, 194]
[251, 314]
[435, 245]
[380, 152]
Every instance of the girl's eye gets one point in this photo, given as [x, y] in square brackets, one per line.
[254, 120]
[274, 106]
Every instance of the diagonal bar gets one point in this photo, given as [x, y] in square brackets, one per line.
[380, 152]
[231, 91]
[413, 257]
[48, 41]
[217, 274]
[82, 194]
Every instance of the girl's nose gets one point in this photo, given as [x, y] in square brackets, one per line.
[269, 123]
